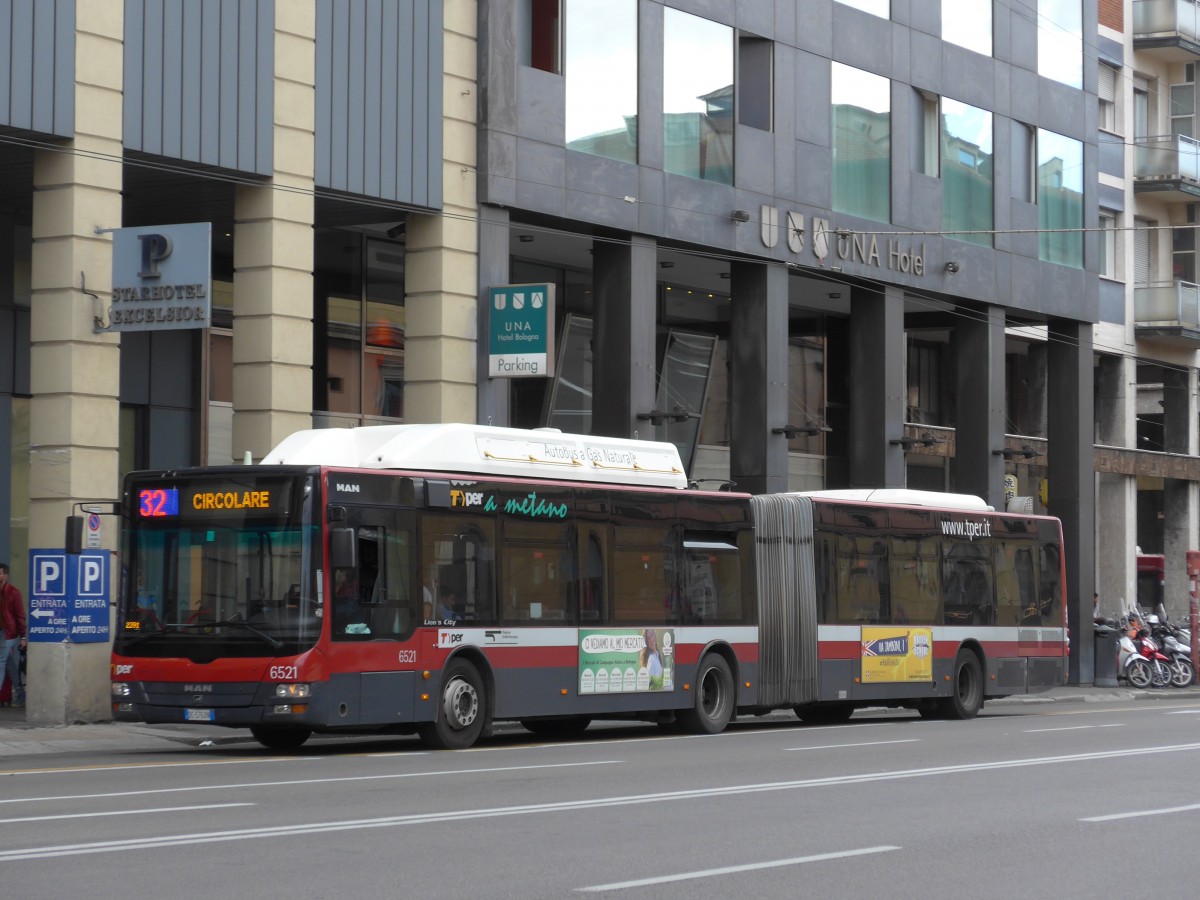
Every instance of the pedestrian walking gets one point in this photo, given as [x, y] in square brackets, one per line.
[12, 617]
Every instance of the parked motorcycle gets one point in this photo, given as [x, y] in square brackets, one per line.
[1140, 661]
[1179, 654]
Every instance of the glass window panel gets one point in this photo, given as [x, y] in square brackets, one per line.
[968, 23]
[383, 356]
[570, 404]
[538, 35]
[1060, 198]
[862, 138]
[682, 388]
[1108, 245]
[880, 8]
[1183, 108]
[1106, 95]
[343, 346]
[697, 97]
[535, 571]
[601, 77]
[456, 568]
[1060, 40]
[967, 174]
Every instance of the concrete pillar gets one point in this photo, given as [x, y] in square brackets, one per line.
[979, 354]
[1181, 515]
[74, 372]
[493, 395]
[877, 387]
[758, 353]
[442, 275]
[1072, 477]
[624, 287]
[273, 256]
[1116, 495]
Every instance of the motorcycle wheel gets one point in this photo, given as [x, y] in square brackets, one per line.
[1182, 673]
[1139, 673]
[1162, 674]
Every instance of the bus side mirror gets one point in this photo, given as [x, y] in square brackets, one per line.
[343, 548]
[73, 540]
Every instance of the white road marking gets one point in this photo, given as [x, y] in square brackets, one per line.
[253, 784]
[242, 834]
[1073, 728]
[142, 767]
[1147, 812]
[864, 744]
[123, 812]
[731, 870]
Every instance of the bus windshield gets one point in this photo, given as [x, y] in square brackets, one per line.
[219, 565]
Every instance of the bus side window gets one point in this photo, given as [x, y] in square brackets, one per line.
[591, 578]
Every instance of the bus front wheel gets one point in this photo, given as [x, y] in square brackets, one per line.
[280, 737]
[462, 709]
[966, 689]
[714, 698]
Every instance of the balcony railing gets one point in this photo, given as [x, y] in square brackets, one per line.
[1166, 158]
[1175, 305]
[1166, 17]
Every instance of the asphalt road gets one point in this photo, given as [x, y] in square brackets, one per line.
[1062, 799]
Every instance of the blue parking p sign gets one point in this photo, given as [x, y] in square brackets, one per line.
[69, 596]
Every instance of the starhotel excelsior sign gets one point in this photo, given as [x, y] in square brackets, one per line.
[162, 277]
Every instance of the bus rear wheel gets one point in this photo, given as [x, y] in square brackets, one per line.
[966, 689]
[462, 709]
[280, 737]
[714, 698]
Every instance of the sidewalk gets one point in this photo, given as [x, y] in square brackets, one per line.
[17, 736]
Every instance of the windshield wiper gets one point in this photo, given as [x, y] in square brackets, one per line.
[274, 642]
[233, 623]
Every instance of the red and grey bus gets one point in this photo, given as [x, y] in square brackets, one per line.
[437, 578]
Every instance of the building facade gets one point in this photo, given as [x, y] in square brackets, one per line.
[330, 148]
[815, 244]
[821, 244]
[1147, 336]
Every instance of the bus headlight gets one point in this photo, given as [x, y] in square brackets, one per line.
[121, 689]
[292, 690]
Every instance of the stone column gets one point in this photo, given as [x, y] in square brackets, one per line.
[74, 372]
[876, 387]
[758, 353]
[1072, 482]
[1116, 495]
[273, 256]
[441, 278]
[979, 431]
[624, 278]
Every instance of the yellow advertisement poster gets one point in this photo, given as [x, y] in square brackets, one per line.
[897, 655]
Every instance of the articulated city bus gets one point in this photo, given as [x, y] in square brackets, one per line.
[437, 578]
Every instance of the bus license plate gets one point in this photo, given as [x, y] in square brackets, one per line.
[199, 715]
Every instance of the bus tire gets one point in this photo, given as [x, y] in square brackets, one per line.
[714, 702]
[557, 727]
[280, 737]
[966, 688]
[825, 714]
[461, 709]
